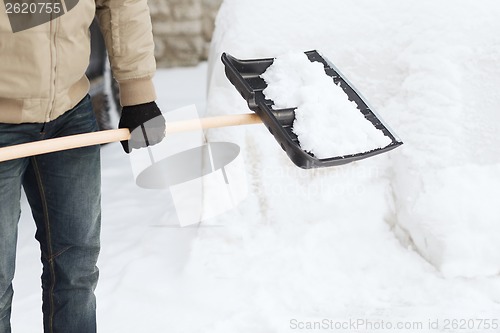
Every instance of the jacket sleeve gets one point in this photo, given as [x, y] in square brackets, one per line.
[127, 30]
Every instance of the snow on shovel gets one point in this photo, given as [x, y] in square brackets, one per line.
[248, 78]
[319, 120]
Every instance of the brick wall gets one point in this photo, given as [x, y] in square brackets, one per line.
[183, 30]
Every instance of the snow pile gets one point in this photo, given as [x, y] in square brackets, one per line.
[445, 105]
[314, 243]
[431, 71]
[327, 123]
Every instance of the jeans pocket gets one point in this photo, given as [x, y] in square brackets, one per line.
[82, 117]
[80, 120]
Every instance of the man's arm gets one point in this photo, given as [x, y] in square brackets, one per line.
[127, 30]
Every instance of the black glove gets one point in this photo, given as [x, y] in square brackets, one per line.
[146, 124]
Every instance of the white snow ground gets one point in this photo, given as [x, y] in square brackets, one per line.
[341, 244]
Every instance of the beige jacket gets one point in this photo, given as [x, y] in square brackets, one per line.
[42, 69]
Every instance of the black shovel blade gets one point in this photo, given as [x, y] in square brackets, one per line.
[245, 76]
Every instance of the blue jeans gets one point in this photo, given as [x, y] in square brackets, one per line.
[64, 192]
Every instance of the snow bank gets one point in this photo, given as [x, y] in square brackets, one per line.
[446, 109]
[321, 243]
[431, 71]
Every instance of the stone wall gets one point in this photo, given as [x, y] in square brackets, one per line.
[183, 30]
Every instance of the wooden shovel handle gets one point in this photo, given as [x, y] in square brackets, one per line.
[101, 137]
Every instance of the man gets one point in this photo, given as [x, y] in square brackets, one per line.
[43, 94]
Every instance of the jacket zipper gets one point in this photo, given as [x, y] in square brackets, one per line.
[53, 71]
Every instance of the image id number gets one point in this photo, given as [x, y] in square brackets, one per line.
[33, 8]
[471, 324]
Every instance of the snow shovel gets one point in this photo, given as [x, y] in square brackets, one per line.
[245, 76]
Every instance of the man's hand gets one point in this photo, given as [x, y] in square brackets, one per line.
[146, 124]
